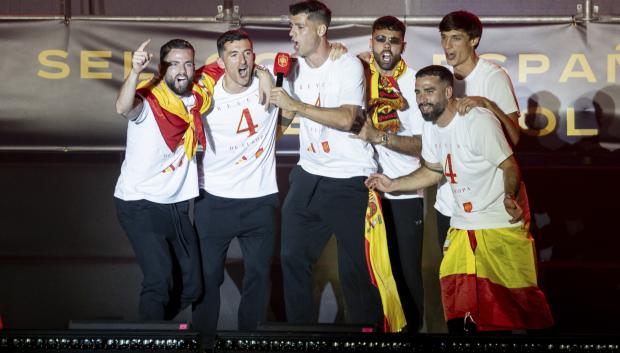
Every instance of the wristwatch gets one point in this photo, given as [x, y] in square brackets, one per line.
[385, 139]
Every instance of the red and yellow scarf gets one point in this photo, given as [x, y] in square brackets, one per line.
[175, 123]
[385, 97]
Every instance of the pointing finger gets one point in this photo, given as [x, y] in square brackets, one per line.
[144, 44]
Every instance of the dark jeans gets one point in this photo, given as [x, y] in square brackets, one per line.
[315, 208]
[443, 224]
[404, 223]
[165, 245]
[218, 221]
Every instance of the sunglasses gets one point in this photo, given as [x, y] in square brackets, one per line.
[392, 40]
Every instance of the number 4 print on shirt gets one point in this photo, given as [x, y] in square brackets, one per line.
[251, 128]
[449, 173]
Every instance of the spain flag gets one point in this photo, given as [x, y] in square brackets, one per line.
[379, 267]
[489, 275]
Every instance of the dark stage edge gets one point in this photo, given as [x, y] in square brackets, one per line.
[269, 341]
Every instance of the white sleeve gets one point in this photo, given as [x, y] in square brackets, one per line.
[500, 90]
[350, 74]
[488, 139]
[429, 151]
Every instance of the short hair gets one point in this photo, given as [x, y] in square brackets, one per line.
[464, 21]
[390, 23]
[444, 74]
[174, 44]
[231, 36]
[316, 11]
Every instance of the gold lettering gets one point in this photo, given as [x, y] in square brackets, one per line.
[439, 59]
[63, 68]
[525, 69]
[549, 116]
[570, 125]
[570, 66]
[86, 64]
[612, 61]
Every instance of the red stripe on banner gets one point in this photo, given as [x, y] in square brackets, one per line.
[493, 306]
[373, 280]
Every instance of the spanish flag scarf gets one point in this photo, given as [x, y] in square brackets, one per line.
[176, 124]
[379, 267]
[385, 97]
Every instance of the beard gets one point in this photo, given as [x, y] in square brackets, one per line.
[434, 113]
[386, 65]
[182, 89]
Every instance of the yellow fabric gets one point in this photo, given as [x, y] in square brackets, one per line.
[505, 256]
[377, 250]
[170, 102]
[383, 105]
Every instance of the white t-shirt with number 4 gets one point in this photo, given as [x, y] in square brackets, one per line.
[239, 161]
[470, 149]
[486, 80]
[324, 150]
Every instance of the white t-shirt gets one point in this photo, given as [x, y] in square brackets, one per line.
[239, 161]
[470, 149]
[486, 80]
[395, 164]
[150, 170]
[323, 150]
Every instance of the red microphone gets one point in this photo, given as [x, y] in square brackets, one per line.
[281, 67]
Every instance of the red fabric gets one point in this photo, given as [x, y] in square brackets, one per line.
[492, 306]
[212, 70]
[171, 126]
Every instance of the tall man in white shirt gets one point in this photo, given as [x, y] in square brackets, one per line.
[327, 193]
[488, 274]
[481, 83]
[159, 175]
[238, 196]
[394, 128]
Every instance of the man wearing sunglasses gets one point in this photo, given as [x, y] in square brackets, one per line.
[394, 126]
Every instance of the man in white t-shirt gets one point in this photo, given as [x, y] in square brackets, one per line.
[159, 175]
[327, 193]
[238, 196]
[481, 83]
[488, 274]
[395, 128]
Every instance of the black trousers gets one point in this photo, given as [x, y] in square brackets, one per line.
[166, 247]
[252, 221]
[315, 208]
[404, 222]
[443, 224]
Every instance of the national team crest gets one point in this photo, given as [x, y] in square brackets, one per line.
[283, 61]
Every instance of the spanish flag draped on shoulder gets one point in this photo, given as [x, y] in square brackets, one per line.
[379, 267]
[176, 124]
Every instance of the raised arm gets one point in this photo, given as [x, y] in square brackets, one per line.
[127, 103]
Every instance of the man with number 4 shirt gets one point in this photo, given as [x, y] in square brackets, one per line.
[326, 194]
[238, 191]
[488, 273]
